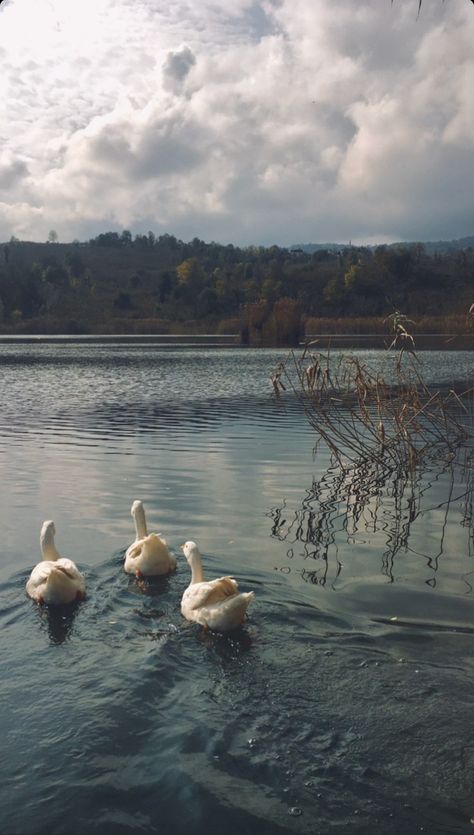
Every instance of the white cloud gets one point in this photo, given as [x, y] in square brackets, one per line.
[245, 122]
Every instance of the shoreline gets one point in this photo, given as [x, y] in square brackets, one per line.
[423, 342]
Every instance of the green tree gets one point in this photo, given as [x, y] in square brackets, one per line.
[123, 301]
[191, 279]
[335, 295]
[56, 275]
[207, 303]
[189, 272]
[352, 276]
[165, 286]
[75, 264]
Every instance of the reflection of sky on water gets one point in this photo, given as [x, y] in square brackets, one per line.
[209, 479]
[199, 438]
[327, 702]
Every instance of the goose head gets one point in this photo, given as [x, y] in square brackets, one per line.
[137, 506]
[138, 516]
[191, 552]
[48, 532]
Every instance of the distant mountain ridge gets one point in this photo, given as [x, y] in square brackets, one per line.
[430, 246]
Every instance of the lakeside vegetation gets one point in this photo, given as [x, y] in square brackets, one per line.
[117, 283]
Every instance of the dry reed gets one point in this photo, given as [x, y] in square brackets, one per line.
[396, 422]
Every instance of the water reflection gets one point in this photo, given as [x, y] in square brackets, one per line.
[149, 586]
[154, 725]
[228, 647]
[361, 507]
[59, 621]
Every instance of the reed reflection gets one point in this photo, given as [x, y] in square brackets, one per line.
[360, 506]
[392, 436]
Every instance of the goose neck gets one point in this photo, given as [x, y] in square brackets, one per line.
[197, 575]
[48, 548]
[140, 522]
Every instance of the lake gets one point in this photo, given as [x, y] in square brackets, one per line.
[344, 705]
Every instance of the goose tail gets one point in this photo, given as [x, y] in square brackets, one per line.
[230, 613]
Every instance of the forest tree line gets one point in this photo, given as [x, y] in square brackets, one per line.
[118, 283]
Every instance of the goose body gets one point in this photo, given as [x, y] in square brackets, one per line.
[148, 556]
[215, 604]
[55, 580]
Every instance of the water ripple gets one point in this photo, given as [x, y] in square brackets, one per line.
[344, 703]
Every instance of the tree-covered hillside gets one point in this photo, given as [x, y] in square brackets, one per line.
[117, 283]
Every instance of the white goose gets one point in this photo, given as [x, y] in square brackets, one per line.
[215, 604]
[55, 579]
[148, 556]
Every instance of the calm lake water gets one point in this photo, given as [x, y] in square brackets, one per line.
[345, 705]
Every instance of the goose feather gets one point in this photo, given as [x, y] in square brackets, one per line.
[148, 555]
[215, 604]
[55, 580]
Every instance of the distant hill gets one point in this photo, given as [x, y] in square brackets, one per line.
[310, 248]
[117, 283]
[431, 247]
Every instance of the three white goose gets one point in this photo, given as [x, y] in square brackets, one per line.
[215, 604]
[55, 580]
[148, 556]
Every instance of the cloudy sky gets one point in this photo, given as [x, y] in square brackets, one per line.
[250, 121]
